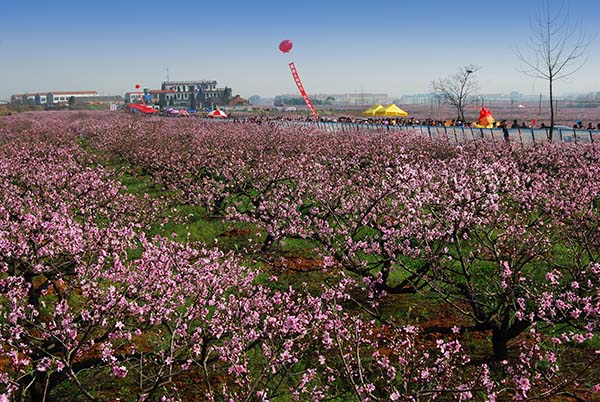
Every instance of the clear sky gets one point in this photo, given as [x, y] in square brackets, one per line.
[385, 46]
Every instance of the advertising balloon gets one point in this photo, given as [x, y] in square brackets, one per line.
[137, 86]
[286, 45]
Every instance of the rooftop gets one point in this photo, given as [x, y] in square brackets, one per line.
[43, 93]
[73, 92]
[189, 82]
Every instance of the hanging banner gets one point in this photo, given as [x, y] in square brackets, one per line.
[301, 89]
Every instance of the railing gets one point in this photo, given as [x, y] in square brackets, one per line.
[456, 134]
[463, 134]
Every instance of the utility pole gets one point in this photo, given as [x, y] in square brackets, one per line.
[540, 107]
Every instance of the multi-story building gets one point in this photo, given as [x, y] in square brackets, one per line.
[157, 96]
[133, 97]
[355, 99]
[64, 96]
[51, 98]
[28, 98]
[205, 93]
[417, 99]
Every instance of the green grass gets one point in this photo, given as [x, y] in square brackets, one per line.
[140, 185]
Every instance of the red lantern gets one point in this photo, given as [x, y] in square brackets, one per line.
[137, 86]
[286, 45]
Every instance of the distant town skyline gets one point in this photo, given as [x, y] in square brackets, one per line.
[390, 47]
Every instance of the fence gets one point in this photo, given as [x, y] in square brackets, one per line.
[464, 134]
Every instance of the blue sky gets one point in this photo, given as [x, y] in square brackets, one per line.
[394, 47]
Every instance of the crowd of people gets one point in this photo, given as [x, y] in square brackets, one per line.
[410, 121]
[398, 121]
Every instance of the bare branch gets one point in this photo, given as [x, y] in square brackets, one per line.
[456, 89]
[557, 49]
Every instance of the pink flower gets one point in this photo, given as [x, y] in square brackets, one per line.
[119, 371]
[524, 384]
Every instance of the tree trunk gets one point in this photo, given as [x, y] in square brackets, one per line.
[551, 112]
[40, 389]
[499, 344]
[504, 333]
[267, 243]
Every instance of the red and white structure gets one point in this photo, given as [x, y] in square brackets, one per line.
[217, 113]
[302, 90]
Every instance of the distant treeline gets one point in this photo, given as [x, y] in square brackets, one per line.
[588, 100]
[293, 101]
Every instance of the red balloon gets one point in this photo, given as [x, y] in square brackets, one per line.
[286, 45]
[137, 86]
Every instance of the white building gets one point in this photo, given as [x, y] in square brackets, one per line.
[361, 99]
[56, 97]
[156, 95]
[30, 98]
[50, 98]
[133, 97]
[354, 99]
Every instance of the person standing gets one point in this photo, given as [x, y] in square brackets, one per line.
[504, 127]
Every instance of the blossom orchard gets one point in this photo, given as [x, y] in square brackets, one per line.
[480, 225]
[498, 218]
[506, 236]
[84, 290]
[76, 301]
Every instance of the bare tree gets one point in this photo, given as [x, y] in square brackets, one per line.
[456, 89]
[557, 50]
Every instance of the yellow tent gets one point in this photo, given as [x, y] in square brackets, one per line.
[372, 110]
[391, 111]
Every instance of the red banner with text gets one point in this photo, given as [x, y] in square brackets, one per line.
[301, 89]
